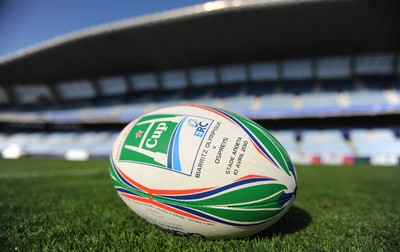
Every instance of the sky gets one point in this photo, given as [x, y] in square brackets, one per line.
[27, 22]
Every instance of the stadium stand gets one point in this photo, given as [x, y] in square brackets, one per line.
[252, 98]
[239, 104]
[328, 146]
[287, 75]
[375, 141]
[57, 144]
[277, 102]
[325, 143]
[288, 139]
[372, 98]
[319, 100]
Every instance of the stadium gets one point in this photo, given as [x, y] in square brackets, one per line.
[322, 76]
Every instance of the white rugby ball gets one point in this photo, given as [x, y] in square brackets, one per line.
[202, 171]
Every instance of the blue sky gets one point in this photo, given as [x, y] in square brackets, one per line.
[27, 22]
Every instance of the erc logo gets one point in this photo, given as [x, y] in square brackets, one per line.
[158, 140]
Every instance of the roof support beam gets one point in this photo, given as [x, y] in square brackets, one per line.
[54, 92]
[10, 94]
[128, 83]
[159, 81]
[96, 87]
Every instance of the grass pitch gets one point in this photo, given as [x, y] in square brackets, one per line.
[48, 204]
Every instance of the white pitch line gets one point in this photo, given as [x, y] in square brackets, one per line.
[49, 174]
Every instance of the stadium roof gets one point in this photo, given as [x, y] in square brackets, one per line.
[213, 33]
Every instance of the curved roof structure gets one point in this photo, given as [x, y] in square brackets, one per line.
[211, 34]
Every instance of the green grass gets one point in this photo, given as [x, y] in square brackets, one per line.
[64, 206]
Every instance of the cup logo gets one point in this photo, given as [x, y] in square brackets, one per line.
[158, 140]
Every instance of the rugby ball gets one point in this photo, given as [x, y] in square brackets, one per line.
[202, 171]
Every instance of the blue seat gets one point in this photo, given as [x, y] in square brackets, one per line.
[325, 142]
[287, 138]
[239, 104]
[319, 100]
[367, 98]
[277, 101]
[375, 141]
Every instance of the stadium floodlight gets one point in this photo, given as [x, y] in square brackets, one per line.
[3, 96]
